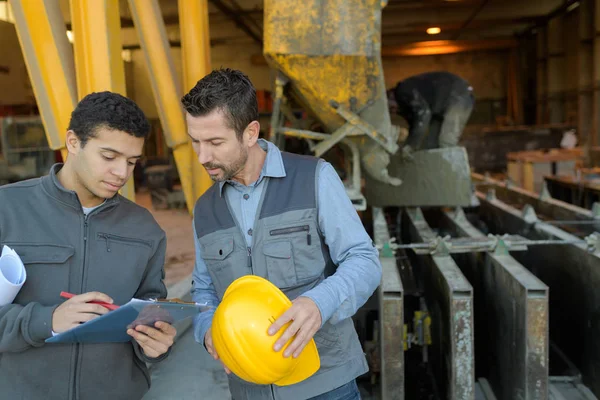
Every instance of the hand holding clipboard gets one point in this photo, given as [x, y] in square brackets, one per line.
[112, 326]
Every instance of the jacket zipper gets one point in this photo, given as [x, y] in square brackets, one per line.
[108, 238]
[293, 229]
[85, 234]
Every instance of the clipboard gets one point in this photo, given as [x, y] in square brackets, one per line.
[112, 327]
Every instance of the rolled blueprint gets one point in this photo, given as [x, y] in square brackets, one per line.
[12, 275]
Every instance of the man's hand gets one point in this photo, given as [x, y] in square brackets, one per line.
[208, 343]
[77, 310]
[154, 342]
[306, 321]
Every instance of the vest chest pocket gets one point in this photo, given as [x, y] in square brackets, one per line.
[280, 263]
[221, 263]
[306, 260]
[216, 251]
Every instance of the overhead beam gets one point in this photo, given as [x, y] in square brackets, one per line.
[239, 21]
[471, 17]
[479, 24]
[174, 19]
[429, 4]
[176, 44]
[436, 47]
[567, 6]
[430, 48]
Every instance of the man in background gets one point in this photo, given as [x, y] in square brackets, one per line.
[436, 106]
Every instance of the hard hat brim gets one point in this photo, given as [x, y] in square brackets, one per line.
[308, 363]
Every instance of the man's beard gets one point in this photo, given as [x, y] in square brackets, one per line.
[228, 171]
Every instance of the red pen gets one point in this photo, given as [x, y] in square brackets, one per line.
[107, 305]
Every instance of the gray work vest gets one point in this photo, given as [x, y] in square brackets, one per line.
[287, 249]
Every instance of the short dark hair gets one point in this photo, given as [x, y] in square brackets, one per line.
[109, 110]
[227, 90]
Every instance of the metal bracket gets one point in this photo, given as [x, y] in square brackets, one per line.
[355, 120]
[545, 193]
[596, 210]
[529, 214]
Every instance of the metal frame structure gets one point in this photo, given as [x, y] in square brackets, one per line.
[514, 304]
[451, 308]
[391, 309]
[572, 274]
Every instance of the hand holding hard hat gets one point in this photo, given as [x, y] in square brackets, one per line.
[241, 339]
[305, 319]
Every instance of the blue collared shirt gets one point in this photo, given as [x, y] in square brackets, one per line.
[359, 270]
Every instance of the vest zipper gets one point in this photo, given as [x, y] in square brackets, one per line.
[249, 257]
[293, 229]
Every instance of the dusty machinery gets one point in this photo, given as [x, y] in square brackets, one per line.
[483, 294]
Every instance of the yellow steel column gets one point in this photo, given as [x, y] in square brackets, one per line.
[99, 65]
[165, 86]
[49, 59]
[195, 52]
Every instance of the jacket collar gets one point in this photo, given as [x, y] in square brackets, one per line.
[56, 190]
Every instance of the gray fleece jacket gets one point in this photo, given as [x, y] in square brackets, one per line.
[118, 249]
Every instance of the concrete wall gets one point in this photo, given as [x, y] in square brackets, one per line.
[15, 88]
[486, 71]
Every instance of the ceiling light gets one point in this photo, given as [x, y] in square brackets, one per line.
[433, 30]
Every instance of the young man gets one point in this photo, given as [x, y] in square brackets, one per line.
[75, 233]
[291, 222]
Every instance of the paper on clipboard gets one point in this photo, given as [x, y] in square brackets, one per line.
[112, 327]
[12, 275]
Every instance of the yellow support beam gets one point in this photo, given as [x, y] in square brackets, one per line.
[97, 41]
[49, 59]
[151, 31]
[195, 52]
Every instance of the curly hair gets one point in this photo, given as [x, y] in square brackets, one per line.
[227, 90]
[109, 110]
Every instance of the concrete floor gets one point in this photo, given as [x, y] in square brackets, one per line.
[188, 373]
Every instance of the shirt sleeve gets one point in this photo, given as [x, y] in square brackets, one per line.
[203, 292]
[358, 272]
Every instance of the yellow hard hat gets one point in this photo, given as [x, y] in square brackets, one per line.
[239, 332]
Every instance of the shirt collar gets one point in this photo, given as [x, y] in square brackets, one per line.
[272, 168]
